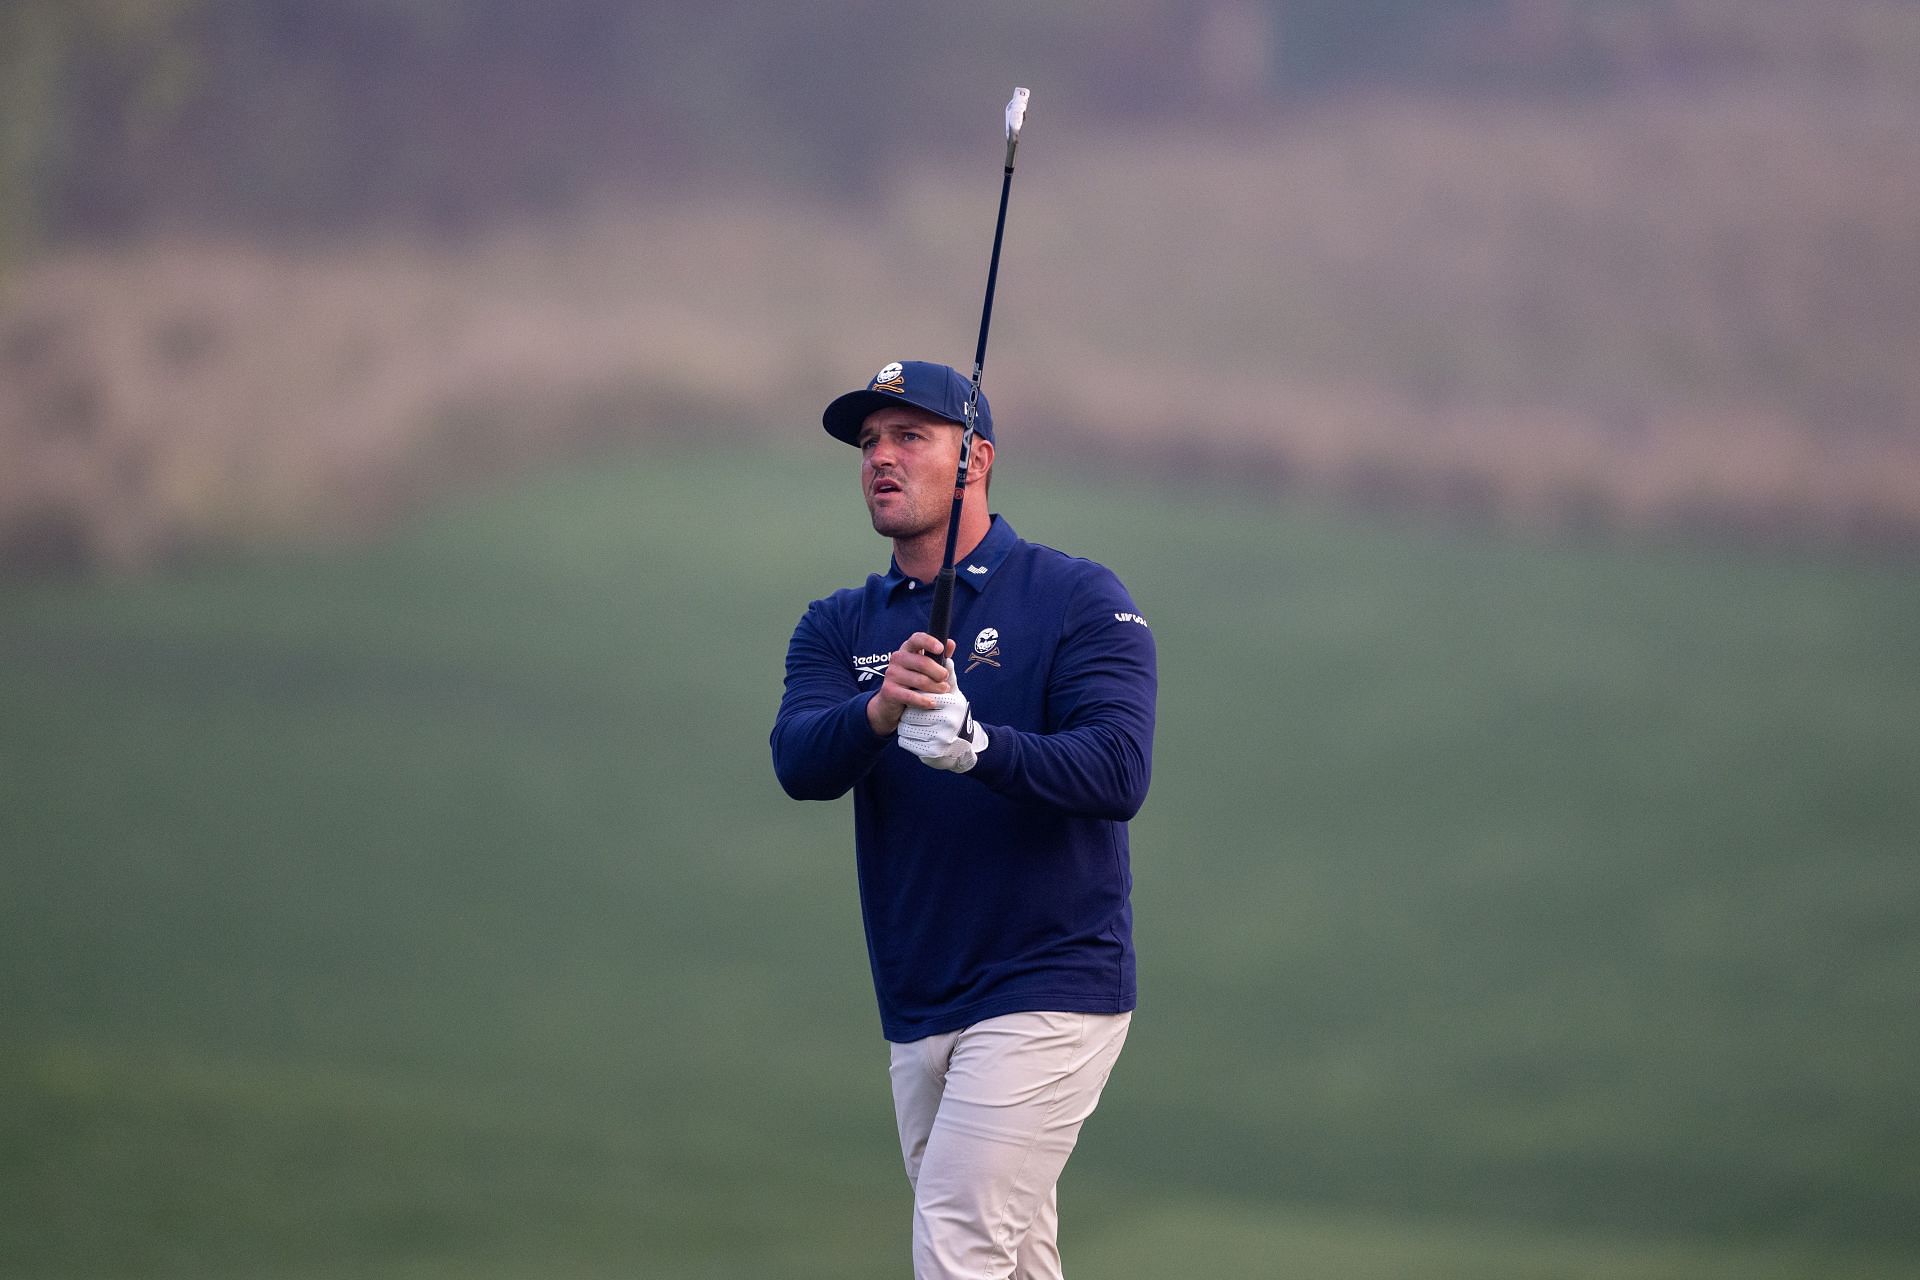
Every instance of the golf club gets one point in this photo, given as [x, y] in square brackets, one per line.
[940, 622]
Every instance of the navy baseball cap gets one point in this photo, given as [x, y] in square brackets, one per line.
[937, 388]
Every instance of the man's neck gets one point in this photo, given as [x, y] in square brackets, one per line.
[919, 557]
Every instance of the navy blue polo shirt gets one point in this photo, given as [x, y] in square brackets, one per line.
[1005, 888]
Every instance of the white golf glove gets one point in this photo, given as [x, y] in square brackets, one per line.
[946, 737]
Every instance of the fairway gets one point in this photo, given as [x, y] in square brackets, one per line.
[430, 908]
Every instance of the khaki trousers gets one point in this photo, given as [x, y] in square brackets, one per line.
[988, 1116]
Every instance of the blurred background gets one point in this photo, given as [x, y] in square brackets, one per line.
[410, 474]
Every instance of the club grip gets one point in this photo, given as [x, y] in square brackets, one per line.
[940, 621]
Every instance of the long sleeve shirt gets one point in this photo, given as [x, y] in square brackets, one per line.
[1006, 888]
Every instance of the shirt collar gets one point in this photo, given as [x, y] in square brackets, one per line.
[975, 569]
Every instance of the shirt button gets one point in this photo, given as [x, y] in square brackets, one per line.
[912, 585]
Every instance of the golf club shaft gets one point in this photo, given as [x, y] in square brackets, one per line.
[940, 621]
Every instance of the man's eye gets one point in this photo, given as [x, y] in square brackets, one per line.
[910, 435]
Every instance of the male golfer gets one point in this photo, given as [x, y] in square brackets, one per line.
[991, 792]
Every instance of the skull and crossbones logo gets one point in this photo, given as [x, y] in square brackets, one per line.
[986, 648]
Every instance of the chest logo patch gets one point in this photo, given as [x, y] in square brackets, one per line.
[872, 666]
[986, 648]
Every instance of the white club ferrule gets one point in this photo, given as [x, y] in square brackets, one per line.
[1016, 116]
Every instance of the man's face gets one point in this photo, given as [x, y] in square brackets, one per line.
[907, 461]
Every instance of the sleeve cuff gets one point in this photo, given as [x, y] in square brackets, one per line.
[1001, 758]
[856, 726]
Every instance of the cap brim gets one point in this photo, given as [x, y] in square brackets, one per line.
[845, 416]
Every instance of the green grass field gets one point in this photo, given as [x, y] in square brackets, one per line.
[431, 910]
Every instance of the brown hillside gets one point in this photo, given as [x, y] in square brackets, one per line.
[1648, 308]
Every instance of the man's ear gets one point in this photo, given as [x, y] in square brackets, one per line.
[982, 461]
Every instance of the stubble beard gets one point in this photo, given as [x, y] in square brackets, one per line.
[911, 516]
[905, 521]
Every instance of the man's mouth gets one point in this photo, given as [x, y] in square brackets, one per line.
[885, 486]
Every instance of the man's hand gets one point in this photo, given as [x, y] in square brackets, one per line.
[945, 735]
[914, 677]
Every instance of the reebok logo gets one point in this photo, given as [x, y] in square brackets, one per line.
[1131, 617]
[976, 568]
[871, 667]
